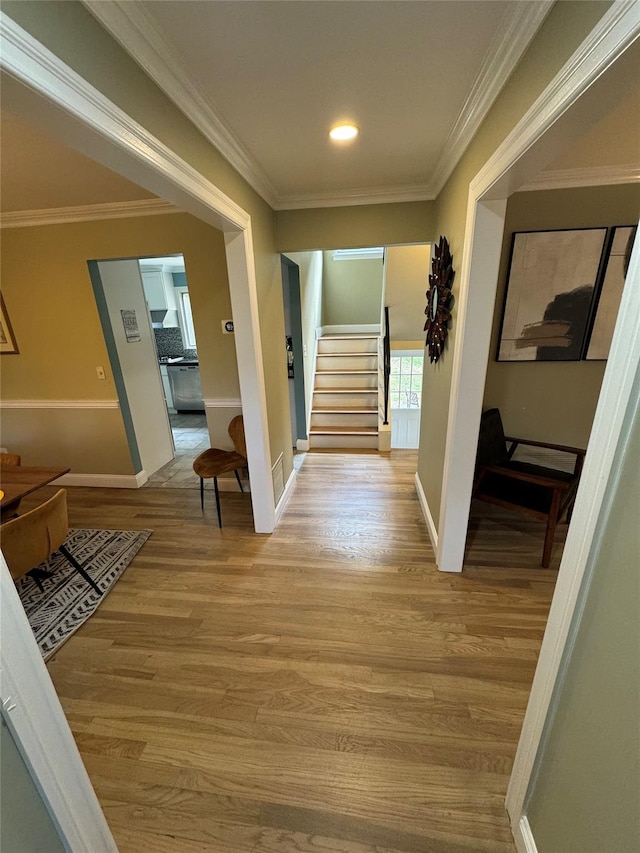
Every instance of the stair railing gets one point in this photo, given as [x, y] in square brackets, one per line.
[386, 345]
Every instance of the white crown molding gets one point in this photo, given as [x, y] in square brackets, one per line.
[86, 213]
[59, 404]
[373, 195]
[615, 31]
[136, 31]
[223, 403]
[26, 59]
[595, 176]
[517, 29]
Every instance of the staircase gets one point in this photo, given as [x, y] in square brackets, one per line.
[344, 410]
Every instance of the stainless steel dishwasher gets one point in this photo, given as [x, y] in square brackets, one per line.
[186, 389]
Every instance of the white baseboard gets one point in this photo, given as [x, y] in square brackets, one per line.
[223, 403]
[105, 481]
[302, 444]
[426, 512]
[286, 494]
[523, 837]
[134, 481]
[355, 329]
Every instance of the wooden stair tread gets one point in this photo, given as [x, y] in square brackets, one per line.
[345, 390]
[347, 430]
[347, 354]
[347, 410]
[342, 372]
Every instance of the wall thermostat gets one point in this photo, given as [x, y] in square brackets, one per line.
[227, 327]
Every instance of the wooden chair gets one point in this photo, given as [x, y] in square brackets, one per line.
[13, 460]
[535, 490]
[32, 537]
[212, 463]
[10, 459]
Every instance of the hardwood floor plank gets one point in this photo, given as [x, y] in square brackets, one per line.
[374, 836]
[321, 689]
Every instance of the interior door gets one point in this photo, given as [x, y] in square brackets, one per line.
[136, 361]
[405, 393]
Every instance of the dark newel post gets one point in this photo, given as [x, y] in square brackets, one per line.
[386, 364]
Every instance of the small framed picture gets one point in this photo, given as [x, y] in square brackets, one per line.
[8, 343]
[130, 324]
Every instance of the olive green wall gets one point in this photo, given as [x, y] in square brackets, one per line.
[406, 281]
[553, 401]
[566, 26]
[310, 266]
[351, 291]
[585, 797]
[48, 293]
[25, 824]
[73, 34]
[356, 226]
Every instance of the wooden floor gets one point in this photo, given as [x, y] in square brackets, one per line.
[320, 689]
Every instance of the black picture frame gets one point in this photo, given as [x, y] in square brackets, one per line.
[8, 343]
[606, 302]
[553, 285]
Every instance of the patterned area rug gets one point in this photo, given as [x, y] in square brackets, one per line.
[67, 600]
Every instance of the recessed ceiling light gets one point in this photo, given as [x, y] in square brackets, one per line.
[343, 132]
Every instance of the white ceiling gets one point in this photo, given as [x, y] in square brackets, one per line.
[37, 172]
[611, 142]
[275, 75]
[265, 81]
[175, 262]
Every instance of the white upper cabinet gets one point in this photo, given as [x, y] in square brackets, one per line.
[158, 288]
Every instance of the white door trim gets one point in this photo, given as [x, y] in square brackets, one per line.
[90, 122]
[545, 126]
[582, 82]
[610, 431]
[523, 837]
[32, 711]
[479, 273]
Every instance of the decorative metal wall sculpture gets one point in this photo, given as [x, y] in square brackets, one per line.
[438, 297]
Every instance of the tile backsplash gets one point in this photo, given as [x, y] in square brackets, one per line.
[169, 342]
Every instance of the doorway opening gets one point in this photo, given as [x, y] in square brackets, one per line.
[146, 317]
[166, 290]
[405, 398]
[295, 350]
[343, 299]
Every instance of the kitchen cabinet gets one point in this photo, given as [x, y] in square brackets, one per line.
[158, 289]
